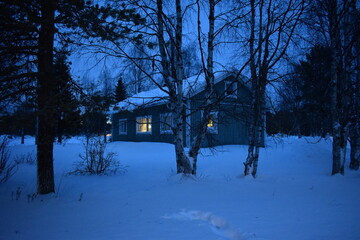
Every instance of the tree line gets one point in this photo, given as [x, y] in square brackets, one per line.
[320, 96]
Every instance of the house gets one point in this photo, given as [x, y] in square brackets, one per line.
[145, 117]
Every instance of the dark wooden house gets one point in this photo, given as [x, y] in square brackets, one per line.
[145, 117]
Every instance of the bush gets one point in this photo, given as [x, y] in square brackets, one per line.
[96, 160]
[6, 169]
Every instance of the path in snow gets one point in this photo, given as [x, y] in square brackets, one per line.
[218, 225]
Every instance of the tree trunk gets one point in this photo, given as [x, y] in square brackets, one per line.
[183, 164]
[209, 88]
[252, 138]
[354, 48]
[339, 139]
[339, 150]
[174, 83]
[180, 111]
[255, 131]
[258, 91]
[259, 131]
[195, 147]
[23, 134]
[355, 146]
[46, 89]
[59, 130]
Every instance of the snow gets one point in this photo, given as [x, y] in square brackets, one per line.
[152, 97]
[191, 86]
[293, 197]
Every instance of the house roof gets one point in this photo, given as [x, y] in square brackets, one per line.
[191, 86]
[152, 97]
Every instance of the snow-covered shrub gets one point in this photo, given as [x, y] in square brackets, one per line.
[96, 160]
[7, 169]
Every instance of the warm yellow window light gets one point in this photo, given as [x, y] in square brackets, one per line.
[211, 122]
[144, 124]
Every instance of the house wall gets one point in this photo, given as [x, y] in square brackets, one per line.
[132, 135]
[233, 117]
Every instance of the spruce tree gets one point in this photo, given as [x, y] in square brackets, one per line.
[120, 91]
[305, 96]
[68, 113]
[28, 31]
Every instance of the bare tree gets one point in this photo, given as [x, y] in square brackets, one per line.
[208, 68]
[210, 100]
[339, 127]
[352, 66]
[337, 21]
[135, 79]
[272, 27]
[174, 82]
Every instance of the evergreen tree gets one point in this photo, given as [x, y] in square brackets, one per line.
[67, 109]
[120, 91]
[28, 31]
[94, 118]
[305, 96]
[18, 49]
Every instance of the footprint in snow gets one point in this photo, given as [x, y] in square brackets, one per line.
[218, 225]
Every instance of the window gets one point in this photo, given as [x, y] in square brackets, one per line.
[212, 126]
[231, 89]
[122, 126]
[166, 122]
[143, 124]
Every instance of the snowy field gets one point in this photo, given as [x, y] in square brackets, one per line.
[294, 196]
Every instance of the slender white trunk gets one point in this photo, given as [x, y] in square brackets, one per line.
[258, 81]
[209, 89]
[174, 84]
[338, 128]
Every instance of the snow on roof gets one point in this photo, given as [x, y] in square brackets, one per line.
[192, 86]
[152, 97]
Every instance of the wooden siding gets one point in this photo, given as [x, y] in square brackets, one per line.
[132, 135]
[233, 116]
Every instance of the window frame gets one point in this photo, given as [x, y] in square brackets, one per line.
[148, 124]
[215, 128]
[126, 127]
[164, 123]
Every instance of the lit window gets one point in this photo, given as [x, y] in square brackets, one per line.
[211, 122]
[143, 124]
[231, 89]
[212, 125]
[166, 122]
[122, 126]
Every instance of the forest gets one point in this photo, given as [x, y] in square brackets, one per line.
[301, 60]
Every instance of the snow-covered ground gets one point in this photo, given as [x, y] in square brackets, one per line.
[294, 196]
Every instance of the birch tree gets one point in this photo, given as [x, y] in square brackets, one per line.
[339, 129]
[336, 20]
[272, 26]
[162, 34]
[352, 29]
[174, 82]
